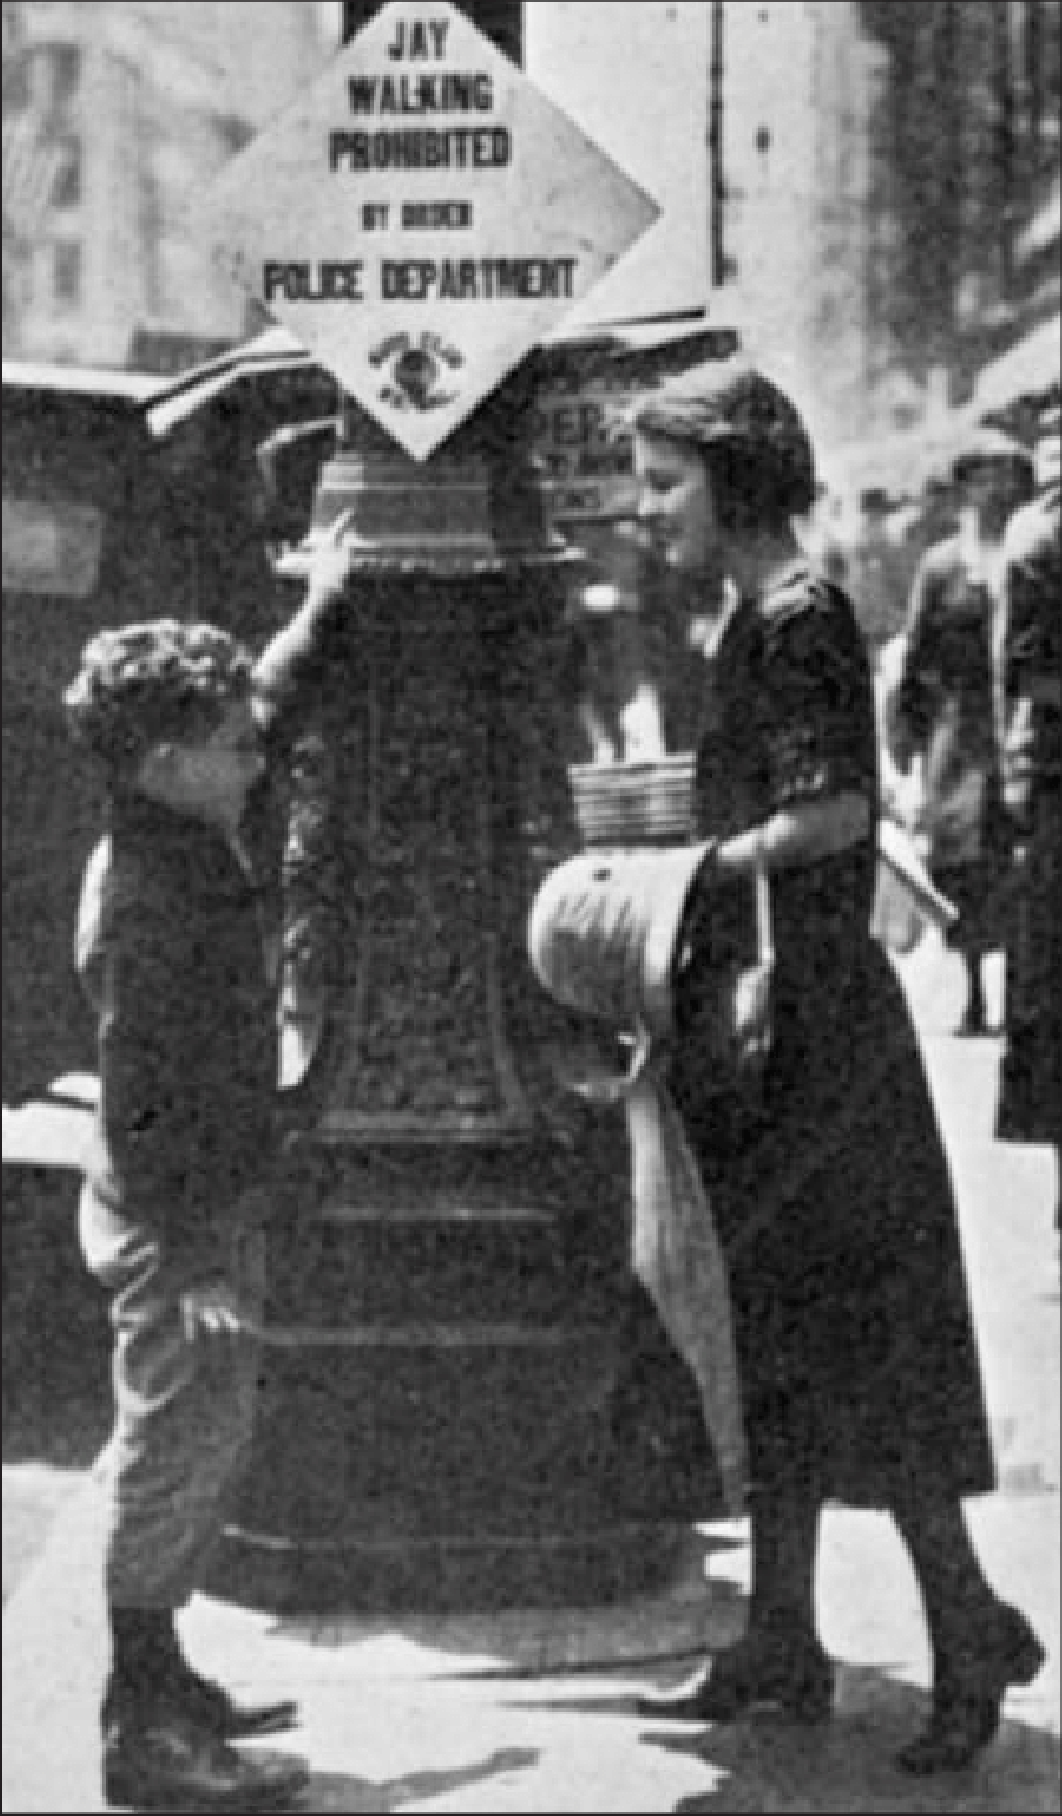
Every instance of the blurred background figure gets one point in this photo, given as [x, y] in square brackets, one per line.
[1028, 685]
[1047, 455]
[918, 523]
[821, 536]
[942, 722]
[876, 580]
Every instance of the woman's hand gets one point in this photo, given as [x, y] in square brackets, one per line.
[597, 1064]
[214, 1309]
[802, 833]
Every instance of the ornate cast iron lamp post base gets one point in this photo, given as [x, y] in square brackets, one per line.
[450, 1290]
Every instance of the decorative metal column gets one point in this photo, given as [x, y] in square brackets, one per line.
[450, 1291]
[451, 1301]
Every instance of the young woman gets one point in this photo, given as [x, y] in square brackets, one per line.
[831, 1192]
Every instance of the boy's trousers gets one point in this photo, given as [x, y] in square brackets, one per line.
[184, 1408]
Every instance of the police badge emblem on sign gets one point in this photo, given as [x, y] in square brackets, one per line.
[415, 371]
[420, 218]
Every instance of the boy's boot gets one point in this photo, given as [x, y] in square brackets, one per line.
[156, 1756]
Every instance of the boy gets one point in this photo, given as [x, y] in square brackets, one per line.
[170, 949]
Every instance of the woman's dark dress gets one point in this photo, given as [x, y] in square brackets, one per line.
[835, 1207]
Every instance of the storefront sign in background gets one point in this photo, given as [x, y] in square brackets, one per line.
[584, 450]
[585, 458]
[421, 218]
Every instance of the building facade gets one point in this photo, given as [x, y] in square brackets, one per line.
[964, 149]
[888, 190]
[115, 117]
[873, 201]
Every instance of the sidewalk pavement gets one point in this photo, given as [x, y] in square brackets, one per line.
[531, 1709]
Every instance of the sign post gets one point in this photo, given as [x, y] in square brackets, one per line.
[421, 219]
[450, 1307]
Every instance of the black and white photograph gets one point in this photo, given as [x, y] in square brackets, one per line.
[532, 823]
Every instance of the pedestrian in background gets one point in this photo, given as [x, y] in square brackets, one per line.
[821, 537]
[830, 1187]
[170, 950]
[1028, 683]
[943, 718]
[874, 577]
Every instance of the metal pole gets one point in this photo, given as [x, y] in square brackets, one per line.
[1034, 81]
[1004, 140]
[717, 179]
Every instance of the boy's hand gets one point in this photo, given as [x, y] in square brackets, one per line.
[214, 1309]
[330, 562]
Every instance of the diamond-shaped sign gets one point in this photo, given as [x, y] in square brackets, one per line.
[421, 217]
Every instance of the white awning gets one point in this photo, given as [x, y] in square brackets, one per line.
[1043, 230]
[1025, 370]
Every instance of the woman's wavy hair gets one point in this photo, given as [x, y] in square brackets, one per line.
[751, 437]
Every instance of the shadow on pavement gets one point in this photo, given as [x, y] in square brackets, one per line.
[765, 1764]
[523, 1642]
[328, 1791]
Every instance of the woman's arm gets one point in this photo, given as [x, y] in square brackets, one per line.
[798, 835]
[814, 713]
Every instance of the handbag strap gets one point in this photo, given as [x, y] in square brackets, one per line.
[764, 918]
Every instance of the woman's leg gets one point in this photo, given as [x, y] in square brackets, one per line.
[785, 1521]
[973, 1019]
[980, 1645]
[779, 1660]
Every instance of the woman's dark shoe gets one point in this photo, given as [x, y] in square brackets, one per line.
[210, 1706]
[973, 1020]
[968, 1701]
[789, 1670]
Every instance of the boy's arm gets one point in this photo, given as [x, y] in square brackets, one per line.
[289, 673]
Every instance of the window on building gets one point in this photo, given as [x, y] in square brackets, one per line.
[16, 83]
[66, 190]
[234, 133]
[66, 74]
[67, 273]
[54, 77]
[51, 547]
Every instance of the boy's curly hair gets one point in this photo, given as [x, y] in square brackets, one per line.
[163, 681]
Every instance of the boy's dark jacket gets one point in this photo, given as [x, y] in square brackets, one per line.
[171, 949]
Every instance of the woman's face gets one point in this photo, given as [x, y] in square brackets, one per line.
[675, 502]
